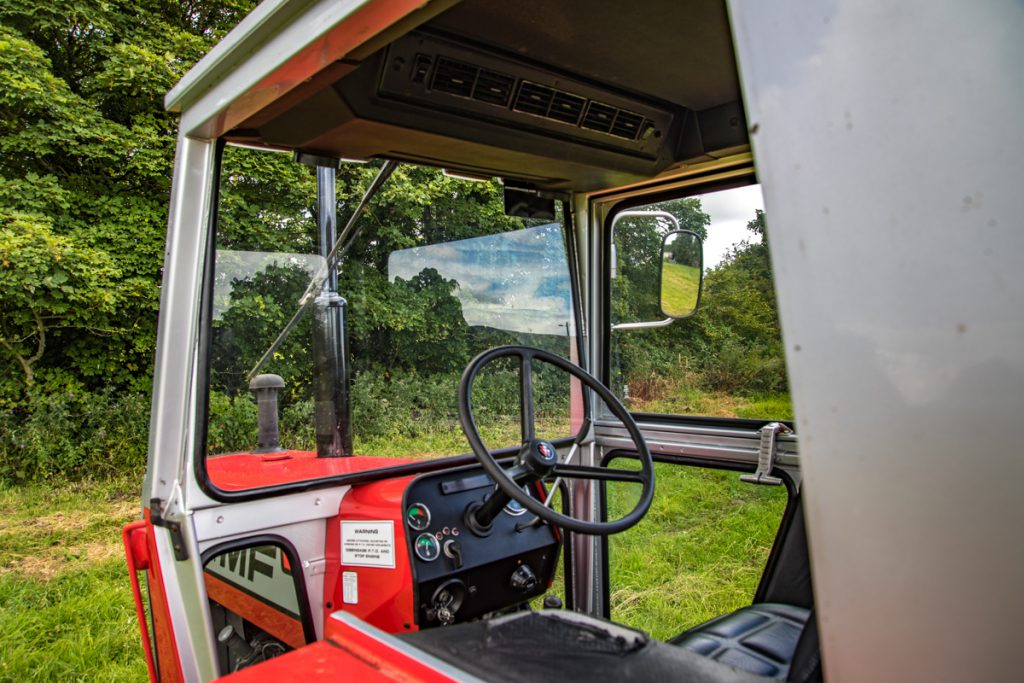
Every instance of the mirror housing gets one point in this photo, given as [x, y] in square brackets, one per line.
[682, 274]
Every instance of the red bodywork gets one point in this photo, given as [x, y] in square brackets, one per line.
[246, 471]
[141, 554]
[385, 595]
[347, 653]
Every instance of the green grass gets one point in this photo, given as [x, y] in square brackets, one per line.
[680, 285]
[66, 612]
[698, 553]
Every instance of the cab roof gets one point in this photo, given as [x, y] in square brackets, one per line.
[569, 95]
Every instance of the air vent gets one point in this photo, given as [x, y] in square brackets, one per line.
[599, 117]
[566, 108]
[454, 77]
[458, 82]
[493, 87]
[627, 125]
[533, 99]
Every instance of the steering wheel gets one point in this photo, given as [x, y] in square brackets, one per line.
[538, 460]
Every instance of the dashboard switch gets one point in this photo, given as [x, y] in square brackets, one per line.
[453, 549]
[523, 579]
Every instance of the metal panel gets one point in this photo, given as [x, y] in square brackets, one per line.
[170, 433]
[188, 607]
[889, 147]
[279, 46]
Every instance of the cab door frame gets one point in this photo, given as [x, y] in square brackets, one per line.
[711, 442]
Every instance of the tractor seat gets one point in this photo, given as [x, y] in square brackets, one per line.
[768, 639]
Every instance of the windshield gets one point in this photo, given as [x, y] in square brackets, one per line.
[433, 274]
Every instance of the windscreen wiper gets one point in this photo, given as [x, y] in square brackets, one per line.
[341, 246]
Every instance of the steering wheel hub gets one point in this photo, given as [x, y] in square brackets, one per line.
[540, 457]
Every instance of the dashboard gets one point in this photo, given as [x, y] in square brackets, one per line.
[401, 556]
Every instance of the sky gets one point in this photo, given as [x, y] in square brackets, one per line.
[730, 211]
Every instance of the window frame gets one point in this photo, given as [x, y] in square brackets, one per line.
[690, 187]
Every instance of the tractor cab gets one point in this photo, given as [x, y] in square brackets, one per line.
[474, 363]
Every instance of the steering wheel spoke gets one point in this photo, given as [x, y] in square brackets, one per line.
[598, 474]
[526, 414]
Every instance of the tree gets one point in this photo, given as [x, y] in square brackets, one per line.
[86, 151]
[48, 283]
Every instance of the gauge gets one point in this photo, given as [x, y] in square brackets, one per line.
[418, 516]
[427, 548]
[514, 507]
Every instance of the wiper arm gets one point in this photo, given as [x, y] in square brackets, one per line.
[341, 246]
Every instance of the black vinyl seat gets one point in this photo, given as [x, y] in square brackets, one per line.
[762, 639]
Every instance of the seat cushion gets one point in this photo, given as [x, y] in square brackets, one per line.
[760, 639]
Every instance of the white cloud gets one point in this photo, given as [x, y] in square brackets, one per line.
[516, 281]
[730, 211]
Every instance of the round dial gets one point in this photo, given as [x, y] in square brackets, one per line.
[427, 548]
[418, 516]
[514, 507]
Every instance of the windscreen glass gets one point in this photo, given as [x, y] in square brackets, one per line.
[324, 365]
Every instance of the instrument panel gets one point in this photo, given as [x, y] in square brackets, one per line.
[459, 574]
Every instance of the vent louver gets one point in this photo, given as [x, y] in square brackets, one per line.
[627, 125]
[493, 88]
[456, 78]
[504, 90]
[533, 99]
[599, 117]
[567, 108]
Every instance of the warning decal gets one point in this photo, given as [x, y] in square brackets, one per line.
[368, 544]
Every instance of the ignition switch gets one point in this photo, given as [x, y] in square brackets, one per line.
[446, 601]
[523, 579]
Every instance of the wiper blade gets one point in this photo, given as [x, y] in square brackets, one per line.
[341, 246]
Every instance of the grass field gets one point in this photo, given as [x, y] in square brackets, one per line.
[66, 611]
[680, 285]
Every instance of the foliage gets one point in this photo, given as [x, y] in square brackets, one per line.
[74, 434]
[85, 159]
[732, 345]
[50, 285]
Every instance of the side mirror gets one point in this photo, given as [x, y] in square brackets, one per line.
[682, 273]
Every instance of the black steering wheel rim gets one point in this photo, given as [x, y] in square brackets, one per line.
[510, 487]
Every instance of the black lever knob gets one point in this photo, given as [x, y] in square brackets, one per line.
[453, 549]
[552, 602]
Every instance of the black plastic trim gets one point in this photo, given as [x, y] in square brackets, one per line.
[177, 540]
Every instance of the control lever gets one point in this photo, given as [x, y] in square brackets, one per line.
[453, 549]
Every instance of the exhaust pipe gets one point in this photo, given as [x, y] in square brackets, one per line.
[266, 387]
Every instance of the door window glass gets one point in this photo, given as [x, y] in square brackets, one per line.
[726, 360]
[698, 553]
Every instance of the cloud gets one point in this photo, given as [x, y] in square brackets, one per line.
[730, 211]
[516, 281]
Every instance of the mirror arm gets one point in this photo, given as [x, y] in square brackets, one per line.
[643, 326]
